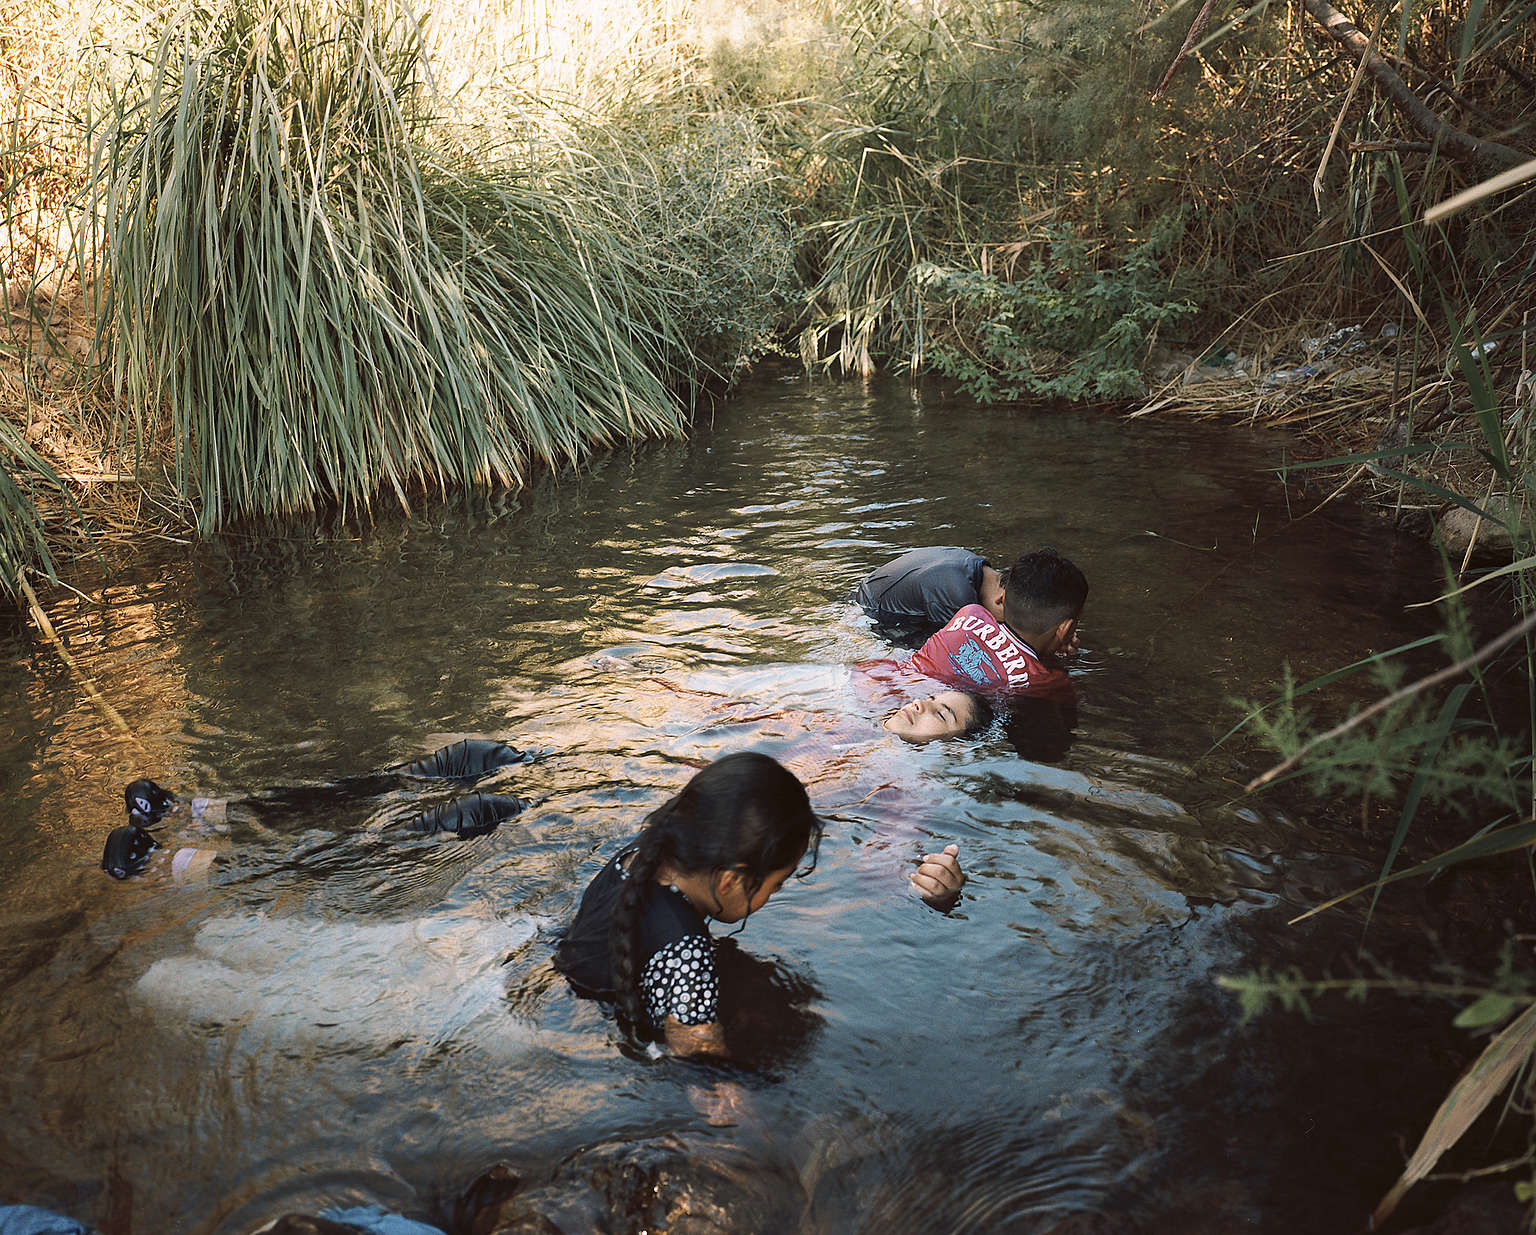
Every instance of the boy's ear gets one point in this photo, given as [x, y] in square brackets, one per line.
[1062, 635]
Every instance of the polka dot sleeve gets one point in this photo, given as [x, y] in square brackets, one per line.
[679, 981]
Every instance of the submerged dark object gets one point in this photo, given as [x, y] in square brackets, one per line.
[30, 1220]
[469, 759]
[305, 1224]
[127, 851]
[357, 1220]
[680, 1181]
[475, 815]
[465, 760]
[146, 802]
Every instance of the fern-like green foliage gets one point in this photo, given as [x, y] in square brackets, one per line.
[1064, 326]
[1494, 997]
[1463, 764]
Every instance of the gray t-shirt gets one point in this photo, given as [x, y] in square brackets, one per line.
[924, 587]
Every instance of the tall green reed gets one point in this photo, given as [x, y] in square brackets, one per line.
[964, 136]
[316, 301]
[23, 533]
[705, 210]
[36, 506]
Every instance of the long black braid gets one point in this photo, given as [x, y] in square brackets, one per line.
[743, 812]
[624, 929]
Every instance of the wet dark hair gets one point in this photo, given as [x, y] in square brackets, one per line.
[744, 812]
[981, 713]
[1043, 590]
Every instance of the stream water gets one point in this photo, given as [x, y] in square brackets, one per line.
[335, 1012]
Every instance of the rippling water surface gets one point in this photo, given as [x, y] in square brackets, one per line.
[337, 1012]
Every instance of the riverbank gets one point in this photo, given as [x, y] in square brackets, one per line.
[1062, 210]
[1339, 393]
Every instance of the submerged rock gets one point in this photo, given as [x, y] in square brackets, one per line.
[1458, 528]
[677, 1183]
[304, 1224]
[356, 1220]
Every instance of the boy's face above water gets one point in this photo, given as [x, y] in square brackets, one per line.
[944, 715]
[1062, 642]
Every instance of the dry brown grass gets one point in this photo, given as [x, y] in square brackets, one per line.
[1359, 404]
[47, 319]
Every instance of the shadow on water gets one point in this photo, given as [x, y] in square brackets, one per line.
[337, 1010]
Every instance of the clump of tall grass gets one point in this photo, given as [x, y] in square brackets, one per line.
[707, 215]
[41, 320]
[959, 135]
[323, 301]
[1060, 326]
[959, 131]
[23, 540]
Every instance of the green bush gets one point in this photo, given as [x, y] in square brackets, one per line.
[705, 212]
[1062, 327]
[961, 133]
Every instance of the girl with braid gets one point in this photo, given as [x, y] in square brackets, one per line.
[719, 849]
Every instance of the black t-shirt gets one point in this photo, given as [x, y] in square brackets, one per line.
[925, 587]
[676, 955]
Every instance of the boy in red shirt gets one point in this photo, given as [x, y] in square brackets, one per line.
[1042, 602]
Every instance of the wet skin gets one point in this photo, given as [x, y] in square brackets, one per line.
[944, 715]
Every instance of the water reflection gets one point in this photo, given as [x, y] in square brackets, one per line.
[299, 983]
[340, 1012]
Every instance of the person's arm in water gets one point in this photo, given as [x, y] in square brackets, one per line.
[725, 1104]
[690, 1040]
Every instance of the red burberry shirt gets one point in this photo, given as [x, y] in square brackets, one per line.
[975, 652]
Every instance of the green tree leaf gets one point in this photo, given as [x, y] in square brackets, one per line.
[1491, 1009]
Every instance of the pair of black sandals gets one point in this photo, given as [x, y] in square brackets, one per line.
[129, 847]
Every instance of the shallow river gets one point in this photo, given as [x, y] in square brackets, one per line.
[337, 1012]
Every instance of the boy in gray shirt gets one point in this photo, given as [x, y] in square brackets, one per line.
[922, 589]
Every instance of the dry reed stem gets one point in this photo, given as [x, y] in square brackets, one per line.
[40, 616]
